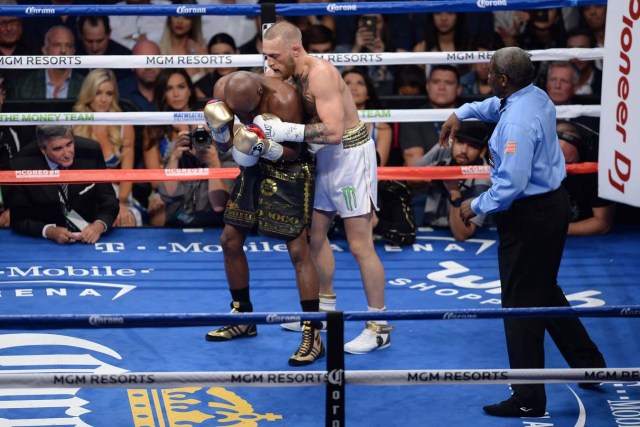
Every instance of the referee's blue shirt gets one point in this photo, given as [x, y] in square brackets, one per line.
[525, 155]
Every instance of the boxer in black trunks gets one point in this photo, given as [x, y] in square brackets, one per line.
[272, 195]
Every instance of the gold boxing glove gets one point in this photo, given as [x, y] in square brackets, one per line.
[251, 140]
[220, 120]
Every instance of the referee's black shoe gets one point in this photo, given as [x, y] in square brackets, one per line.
[512, 408]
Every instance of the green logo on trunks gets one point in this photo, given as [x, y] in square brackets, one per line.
[349, 194]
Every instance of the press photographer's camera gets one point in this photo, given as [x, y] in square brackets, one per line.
[200, 138]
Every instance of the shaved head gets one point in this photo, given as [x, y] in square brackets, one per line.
[285, 31]
[242, 92]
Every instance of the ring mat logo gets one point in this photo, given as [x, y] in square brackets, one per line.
[193, 405]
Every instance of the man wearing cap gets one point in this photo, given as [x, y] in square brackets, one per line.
[444, 198]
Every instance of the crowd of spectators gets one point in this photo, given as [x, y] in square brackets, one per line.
[373, 87]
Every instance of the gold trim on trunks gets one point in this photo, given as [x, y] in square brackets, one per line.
[355, 136]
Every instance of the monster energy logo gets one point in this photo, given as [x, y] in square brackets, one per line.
[349, 194]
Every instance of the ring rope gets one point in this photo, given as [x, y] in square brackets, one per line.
[256, 60]
[90, 176]
[315, 378]
[140, 320]
[197, 117]
[392, 7]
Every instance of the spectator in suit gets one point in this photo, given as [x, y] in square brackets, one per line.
[51, 83]
[94, 34]
[63, 213]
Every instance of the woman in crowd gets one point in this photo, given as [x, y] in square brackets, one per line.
[174, 91]
[182, 35]
[99, 94]
[365, 97]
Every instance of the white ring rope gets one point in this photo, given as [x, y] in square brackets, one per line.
[196, 117]
[314, 378]
[227, 61]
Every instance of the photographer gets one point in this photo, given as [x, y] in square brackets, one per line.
[198, 203]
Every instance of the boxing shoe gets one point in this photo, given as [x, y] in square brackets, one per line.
[230, 332]
[375, 336]
[513, 408]
[311, 347]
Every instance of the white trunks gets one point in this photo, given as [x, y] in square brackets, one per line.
[347, 175]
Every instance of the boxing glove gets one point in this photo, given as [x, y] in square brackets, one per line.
[243, 159]
[220, 120]
[278, 131]
[252, 141]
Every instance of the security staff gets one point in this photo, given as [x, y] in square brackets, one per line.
[527, 169]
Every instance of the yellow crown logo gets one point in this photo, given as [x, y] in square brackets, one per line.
[190, 406]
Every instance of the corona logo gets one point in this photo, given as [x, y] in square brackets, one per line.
[193, 406]
[39, 11]
[182, 10]
[341, 7]
[488, 3]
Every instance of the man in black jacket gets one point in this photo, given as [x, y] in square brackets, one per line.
[63, 213]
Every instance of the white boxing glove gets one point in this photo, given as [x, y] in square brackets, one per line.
[242, 159]
[279, 131]
[251, 140]
[220, 120]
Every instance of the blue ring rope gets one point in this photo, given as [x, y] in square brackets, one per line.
[393, 7]
[140, 320]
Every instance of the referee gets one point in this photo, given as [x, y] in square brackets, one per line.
[527, 168]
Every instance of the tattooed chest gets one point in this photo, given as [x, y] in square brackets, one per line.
[308, 101]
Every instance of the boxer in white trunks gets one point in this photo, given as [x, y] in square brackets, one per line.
[346, 174]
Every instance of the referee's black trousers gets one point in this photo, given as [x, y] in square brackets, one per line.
[532, 235]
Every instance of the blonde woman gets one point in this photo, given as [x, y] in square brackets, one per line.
[182, 35]
[99, 93]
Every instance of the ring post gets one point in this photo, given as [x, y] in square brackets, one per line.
[335, 370]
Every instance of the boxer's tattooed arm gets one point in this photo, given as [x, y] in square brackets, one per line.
[316, 132]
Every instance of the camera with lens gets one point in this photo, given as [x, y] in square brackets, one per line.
[200, 138]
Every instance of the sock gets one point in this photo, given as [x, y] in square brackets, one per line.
[241, 300]
[312, 305]
[379, 322]
[328, 302]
